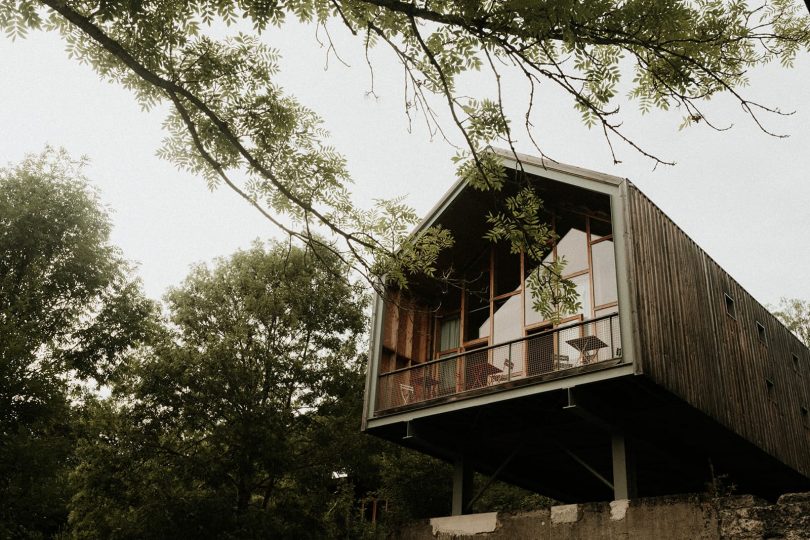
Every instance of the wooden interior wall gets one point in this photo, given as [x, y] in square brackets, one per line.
[406, 332]
[693, 348]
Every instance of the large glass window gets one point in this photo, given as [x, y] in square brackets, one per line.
[531, 316]
[572, 242]
[507, 325]
[577, 235]
[477, 326]
[477, 299]
[449, 330]
[449, 300]
[507, 319]
[498, 305]
[604, 273]
[583, 285]
[599, 229]
[507, 270]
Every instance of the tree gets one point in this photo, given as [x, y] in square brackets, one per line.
[231, 120]
[795, 315]
[68, 309]
[233, 424]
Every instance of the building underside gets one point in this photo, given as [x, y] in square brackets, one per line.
[560, 444]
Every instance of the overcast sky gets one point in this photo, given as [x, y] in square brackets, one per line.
[741, 195]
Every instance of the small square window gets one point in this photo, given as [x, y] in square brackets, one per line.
[761, 333]
[771, 390]
[730, 309]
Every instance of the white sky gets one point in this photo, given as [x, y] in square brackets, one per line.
[741, 195]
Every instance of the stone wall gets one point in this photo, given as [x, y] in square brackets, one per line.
[740, 517]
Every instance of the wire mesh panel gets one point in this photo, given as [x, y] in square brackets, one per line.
[394, 390]
[510, 359]
[600, 340]
[447, 375]
[547, 351]
[541, 353]
[607, 330]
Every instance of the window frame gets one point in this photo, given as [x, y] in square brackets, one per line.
[729, 302]
[762, 335]
[522, 290]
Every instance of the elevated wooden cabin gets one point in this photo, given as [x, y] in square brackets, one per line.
[670, 377]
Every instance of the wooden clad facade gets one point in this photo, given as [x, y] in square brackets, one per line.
[406, 334]
[694, 375]
[702, 337]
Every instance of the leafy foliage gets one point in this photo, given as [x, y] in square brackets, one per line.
[521, 226]
[417, 486]
[795, 314]
[65, 296]
[231, 120]
[405, 475]
[234, 423]
[235, 418]
[68, 310]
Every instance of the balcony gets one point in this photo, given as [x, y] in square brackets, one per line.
[557, 352]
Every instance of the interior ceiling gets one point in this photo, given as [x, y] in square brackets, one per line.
[465, 217]
[676, 448]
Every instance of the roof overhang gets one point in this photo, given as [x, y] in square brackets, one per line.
[537, 166]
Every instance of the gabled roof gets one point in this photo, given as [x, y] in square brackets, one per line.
[517, 161]
[514, 160]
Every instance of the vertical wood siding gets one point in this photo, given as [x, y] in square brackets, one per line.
[693, 348]
[406, 332]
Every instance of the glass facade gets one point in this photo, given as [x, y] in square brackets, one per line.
[477, 299]
[498, 305]
[572, 242]
[479, 328]
[604, 273]
[507, 319]
[590, 265]
[449, 332]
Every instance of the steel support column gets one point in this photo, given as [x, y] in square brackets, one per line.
[624, 470]
[462, 487]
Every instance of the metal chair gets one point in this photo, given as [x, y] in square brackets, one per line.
[406, 392]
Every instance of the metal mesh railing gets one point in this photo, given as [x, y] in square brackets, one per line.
[545, 352]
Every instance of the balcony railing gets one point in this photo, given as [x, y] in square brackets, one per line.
[550, 351]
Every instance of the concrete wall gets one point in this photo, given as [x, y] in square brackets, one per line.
[741, 517]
